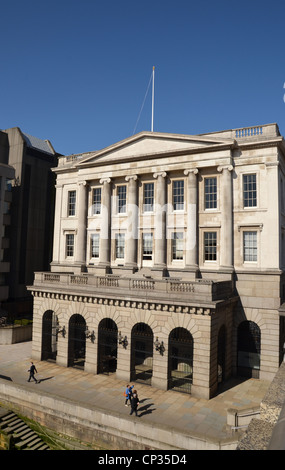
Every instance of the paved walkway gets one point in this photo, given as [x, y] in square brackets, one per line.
[206, 417]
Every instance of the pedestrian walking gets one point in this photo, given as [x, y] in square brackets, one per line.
[134, 403]
[128, 394]
[32, 371]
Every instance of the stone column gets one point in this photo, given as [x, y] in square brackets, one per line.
[105, 233]
[132, 227]
[191, 257]
[160, 222]
[80, 254]
[226, 242]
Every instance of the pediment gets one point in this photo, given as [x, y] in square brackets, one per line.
[149, 144]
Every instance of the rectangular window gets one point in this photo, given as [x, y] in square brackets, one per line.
[96, 202]
[71, 202]
[250, 246]
[147, 246]
[177, 245]
[249, 191]
[122, 199]
[95, 239]
[211, 193]
[120, 245]
[178, 195]
[210, 246]
[69, 245]
[148, 197]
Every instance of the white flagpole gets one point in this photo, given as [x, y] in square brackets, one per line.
[152, 110]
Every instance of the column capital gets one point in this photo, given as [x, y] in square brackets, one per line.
[105, 180]
[83, 183]
[188, 171]
[131, 177]
[225, 167]
[160, 173]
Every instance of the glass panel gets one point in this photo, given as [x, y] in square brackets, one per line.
[211, 193]
[178, 195]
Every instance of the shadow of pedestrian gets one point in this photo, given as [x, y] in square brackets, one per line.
[43, 380]
[5, 377]
[145, 410]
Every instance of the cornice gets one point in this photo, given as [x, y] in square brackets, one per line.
[171, 307]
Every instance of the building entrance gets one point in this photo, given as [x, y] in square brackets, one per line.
[49, 336]
[107, 346]
[248, 354]
[180, 360]
[76, 341]
[142, 353]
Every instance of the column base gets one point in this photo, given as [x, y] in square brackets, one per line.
[159, 270]
[127, 269]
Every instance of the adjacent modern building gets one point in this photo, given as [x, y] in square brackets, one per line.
[28, 212]
[168, 260]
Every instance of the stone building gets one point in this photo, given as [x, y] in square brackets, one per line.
[28, 219]
[168, 260]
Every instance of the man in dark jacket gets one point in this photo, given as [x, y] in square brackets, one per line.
[134, 403]
[32, 371]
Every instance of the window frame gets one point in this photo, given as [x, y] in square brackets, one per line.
[244, 192]
[121, 208]
[145, 255]
[255, 248]
[96, 206]
[207, 258]
[119, 246]
[214, 199]
[71, 206]
[68, 245]
[93, 245]
[177, 194]
[174, 250]
[150, 197]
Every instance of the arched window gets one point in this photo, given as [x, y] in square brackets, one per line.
[180, 360]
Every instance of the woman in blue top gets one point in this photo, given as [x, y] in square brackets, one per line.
[128, 394]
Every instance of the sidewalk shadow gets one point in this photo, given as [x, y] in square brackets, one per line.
[43, 380]
[5, 377]
[145, 410]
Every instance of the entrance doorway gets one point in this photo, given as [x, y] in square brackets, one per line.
[248, 349]
[221, 354]
[180, 360]
[107, 346]
[76, 341]
[142, 353]
[49, 336]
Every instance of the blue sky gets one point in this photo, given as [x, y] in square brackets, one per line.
[76, 72]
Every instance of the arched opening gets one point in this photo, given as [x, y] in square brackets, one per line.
[142, 353]
[221, 354]
[107, 346]
[76, 341]
[180, 360]
[49, 336]
[248, 349]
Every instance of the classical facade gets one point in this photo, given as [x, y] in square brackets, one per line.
[168, 260]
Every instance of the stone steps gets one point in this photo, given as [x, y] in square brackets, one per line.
[24, 437]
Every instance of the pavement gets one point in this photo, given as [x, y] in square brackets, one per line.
[157, 407]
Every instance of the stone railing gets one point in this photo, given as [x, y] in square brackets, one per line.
[248, 131]
[200, 289]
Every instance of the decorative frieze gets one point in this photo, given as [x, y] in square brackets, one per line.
[126, 303]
